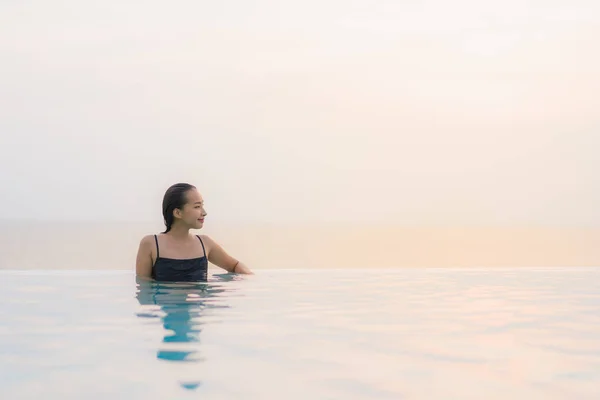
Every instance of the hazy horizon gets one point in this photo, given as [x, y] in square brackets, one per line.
[427, 114]
[109, 246]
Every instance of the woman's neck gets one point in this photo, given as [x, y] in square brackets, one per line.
[179, 232]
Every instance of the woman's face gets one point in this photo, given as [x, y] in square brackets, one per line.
[193, 212]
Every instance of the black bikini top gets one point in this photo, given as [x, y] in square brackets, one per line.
[180, 270]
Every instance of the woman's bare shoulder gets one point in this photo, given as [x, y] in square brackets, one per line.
[147, 240]
[208, 241]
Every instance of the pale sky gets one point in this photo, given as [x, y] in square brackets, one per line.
[416, 112]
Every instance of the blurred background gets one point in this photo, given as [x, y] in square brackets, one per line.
[337, 134]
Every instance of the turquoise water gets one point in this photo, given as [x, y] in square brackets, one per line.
[298, 334]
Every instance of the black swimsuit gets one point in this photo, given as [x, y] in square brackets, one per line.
[180, 270]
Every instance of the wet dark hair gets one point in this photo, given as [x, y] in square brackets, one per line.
[175, 197]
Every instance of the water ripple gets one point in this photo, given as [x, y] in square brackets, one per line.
[393, 334]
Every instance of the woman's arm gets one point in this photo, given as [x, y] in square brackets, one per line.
[143, 263]
[219, 257]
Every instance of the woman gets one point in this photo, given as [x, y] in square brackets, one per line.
[176, 255]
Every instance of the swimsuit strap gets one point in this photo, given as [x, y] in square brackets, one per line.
[157, 253]
[203, 249]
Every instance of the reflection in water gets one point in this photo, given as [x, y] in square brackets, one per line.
[181, 307]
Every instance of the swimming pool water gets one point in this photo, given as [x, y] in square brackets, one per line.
[529, 333]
